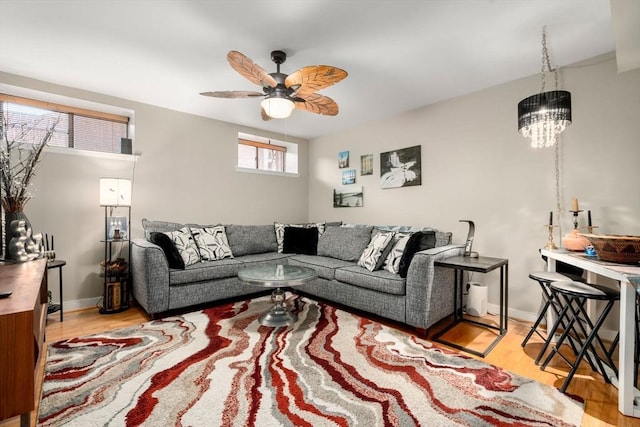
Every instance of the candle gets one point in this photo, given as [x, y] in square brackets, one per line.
[574, 204]
[551, 218]
[589, 218]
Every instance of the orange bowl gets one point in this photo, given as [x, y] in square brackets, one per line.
[615, 247]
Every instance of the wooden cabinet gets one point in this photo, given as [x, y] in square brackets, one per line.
[22, 326]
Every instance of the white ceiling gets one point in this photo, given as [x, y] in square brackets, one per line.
[400, 54]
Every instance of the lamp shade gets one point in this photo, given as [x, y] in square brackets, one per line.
[543, 116]
[115, 192]
[277, 107]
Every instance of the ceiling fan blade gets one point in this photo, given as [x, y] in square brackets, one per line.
[313, 78]
[250, 70]
[319, 104]
[232, 94]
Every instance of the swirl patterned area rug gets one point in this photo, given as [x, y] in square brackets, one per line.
[219, 367]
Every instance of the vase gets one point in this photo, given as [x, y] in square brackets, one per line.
[9, 217]
[574, 241]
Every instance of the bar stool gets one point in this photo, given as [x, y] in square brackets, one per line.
[544, 279]
[579, 329]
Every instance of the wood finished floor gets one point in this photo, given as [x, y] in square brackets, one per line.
[600, 398]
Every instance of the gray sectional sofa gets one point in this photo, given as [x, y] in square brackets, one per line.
[420, 299]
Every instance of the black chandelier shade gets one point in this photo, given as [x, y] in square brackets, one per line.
[553, 105]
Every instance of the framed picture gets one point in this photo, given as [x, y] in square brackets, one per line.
[349, 177]
[343, 159]
[347, 197]
[366, 164]
[401, 168]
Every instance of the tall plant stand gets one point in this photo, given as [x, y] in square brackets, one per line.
[115, 268]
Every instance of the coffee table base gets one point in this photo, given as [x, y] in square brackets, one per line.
[279, 315]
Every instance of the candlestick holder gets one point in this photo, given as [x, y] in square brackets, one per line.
[590, 228]
[575, 218]
[573, 240]
[550, 245]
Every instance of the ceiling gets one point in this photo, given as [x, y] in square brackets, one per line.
[400, 54]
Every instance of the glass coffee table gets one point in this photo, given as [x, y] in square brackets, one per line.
[277, 276]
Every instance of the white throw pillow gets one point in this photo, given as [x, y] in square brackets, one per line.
[372, 257]
[185, 245]
[392, 263]
[212, 243]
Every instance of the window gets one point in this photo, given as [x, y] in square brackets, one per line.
[77, 128]
[266, 155]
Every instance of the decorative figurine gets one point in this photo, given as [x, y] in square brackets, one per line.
[16, 247]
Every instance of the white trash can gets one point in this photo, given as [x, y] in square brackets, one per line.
[477, 299]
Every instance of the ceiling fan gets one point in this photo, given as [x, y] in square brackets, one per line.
[281, 92]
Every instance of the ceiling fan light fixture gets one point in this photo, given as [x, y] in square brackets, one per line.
[277, 107]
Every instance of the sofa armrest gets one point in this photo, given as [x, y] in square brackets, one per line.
[150, 275]
[430, 288]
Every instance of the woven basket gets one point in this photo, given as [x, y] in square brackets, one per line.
[616, 248]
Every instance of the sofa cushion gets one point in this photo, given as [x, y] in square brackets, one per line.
[158, 226]
[300, 240]
[266, 257]
[212, 242]
[345, 243]
[375, 253]
[185, 245]
[251, 239]
[418, 241]
[324, 266]
[206, 270]
[169, 248]
[443, 238]
[279, 230]
[379, 280]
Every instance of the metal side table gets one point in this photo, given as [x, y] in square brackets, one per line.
[460, 264]
[58, 263]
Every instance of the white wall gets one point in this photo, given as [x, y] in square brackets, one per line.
[186, 173]
[477, 166]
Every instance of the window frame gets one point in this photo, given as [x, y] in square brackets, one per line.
[289, 150]
[75, 106]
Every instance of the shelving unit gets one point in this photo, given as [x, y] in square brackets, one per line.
[115, 296]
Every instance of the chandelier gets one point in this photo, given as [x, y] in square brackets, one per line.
[541, 117]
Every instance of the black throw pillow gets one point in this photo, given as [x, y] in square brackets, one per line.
[298, 240]
[419, 241]
[169, 249]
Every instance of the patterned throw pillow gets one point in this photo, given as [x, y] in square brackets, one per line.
[280, 231]
[372, 257]
[418, 241]
[212, 242]
[392, 262]
[169, 248]
[185, 245]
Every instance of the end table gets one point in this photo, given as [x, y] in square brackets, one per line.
[480, 265]
[58, 263]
